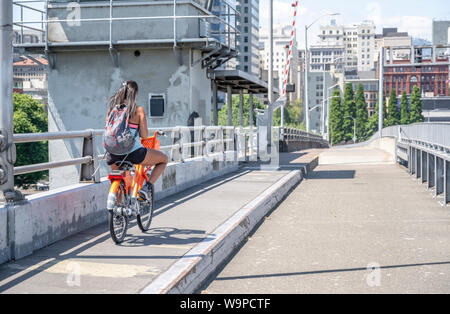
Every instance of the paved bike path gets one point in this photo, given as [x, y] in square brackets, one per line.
[89, 262]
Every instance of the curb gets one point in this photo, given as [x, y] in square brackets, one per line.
[188, 274]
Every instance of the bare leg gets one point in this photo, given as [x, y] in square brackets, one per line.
[157, 158]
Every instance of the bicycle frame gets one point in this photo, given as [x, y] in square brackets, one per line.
[134, 183]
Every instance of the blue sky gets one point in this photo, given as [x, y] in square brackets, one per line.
[412, 16]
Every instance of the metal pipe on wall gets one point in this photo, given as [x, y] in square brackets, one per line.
[7, 147]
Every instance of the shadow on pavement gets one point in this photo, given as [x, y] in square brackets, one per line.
[315, 272]
[74, 246]
[332, 174]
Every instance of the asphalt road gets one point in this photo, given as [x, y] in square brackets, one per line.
[346, 229]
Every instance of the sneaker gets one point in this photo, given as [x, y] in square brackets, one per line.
[148, 190]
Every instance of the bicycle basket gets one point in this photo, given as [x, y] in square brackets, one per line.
[151, 142]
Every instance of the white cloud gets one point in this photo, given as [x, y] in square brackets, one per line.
[416, 26]
[374, 12]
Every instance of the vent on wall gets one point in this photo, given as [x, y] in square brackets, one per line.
[157, 103]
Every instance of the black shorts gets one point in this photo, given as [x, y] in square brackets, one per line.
[135, 157]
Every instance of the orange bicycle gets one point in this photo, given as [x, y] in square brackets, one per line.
[127, 198]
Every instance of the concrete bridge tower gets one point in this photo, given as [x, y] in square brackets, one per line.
[169, 48]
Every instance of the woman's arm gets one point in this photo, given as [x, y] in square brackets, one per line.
[143, 129]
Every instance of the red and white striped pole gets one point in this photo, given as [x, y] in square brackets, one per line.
[291, 43]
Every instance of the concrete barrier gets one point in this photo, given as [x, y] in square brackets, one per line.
[190, 272]
[48, 217]
[4, 249]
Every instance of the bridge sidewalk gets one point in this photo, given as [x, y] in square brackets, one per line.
[200, 225]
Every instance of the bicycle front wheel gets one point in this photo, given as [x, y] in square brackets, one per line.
[145, 212]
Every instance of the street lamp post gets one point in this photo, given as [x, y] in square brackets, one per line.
[270, 83]
[307, 67]
[380, 91]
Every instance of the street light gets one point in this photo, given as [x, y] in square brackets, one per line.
[354, 128]
[306, 66]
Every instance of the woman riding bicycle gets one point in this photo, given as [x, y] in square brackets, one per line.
[137, 121]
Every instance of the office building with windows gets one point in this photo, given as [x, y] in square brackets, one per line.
[248, 39]
[358, 41]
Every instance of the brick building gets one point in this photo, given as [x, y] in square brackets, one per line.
[429, 71]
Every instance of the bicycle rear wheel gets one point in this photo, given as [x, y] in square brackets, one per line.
[145, 211]
[118, 223]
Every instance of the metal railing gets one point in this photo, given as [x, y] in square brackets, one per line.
[292, 134]
[179, 143]
[425, 149]
[226, 19]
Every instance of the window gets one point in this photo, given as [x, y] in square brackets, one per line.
[156, 105]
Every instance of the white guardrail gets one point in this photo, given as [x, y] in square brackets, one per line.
[425, 149]
[179, 143]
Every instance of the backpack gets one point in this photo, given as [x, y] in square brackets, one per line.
[118, 139]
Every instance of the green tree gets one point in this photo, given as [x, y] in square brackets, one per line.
[293, 116]
[361, 113]
[223, 113]
[30, 117]
[404, 109]
[415, 114]
[393, 113]
[349, 109]
[372, 123]
[336, 118]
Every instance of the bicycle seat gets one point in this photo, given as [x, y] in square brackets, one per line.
[124, 165]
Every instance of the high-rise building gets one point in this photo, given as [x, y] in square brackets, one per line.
[358, 41]
[441, 33]
[322, 55]
[281, 41]
[248, 26]
[391, 37]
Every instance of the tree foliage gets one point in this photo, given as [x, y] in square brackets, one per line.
[223, 113]
[404, 111]
[293, 116]
[393, 113]
[336, 118]
[361, 114]
[415, 114]
[349, 110]
[30, 117]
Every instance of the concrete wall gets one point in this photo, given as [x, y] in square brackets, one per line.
[123, 30]
[387, 144]
[82, 82]
[294, 146]
[54, 215]
[4, 249]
